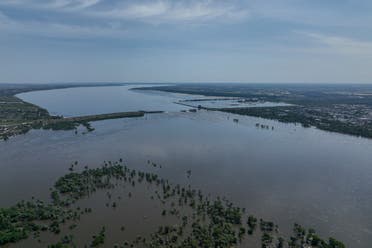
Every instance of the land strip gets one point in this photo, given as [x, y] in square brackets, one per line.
[19, 117]
[335, 108]
[60, 123]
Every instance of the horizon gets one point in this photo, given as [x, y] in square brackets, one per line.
[196, 83]
[186, 123]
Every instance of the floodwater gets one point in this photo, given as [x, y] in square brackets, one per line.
[286, 174]
[100, 100]
[229, 103]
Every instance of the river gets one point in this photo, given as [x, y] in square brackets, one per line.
[286, 173]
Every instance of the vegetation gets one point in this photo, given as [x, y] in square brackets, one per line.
[335, 108]
[213, 222]
[19, 117]
[297, 114]
[99, 239]
[15, 113]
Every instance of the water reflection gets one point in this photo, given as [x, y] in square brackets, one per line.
[100, 100]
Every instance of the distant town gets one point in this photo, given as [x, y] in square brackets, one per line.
[335, 108]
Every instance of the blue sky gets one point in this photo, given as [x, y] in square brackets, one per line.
[186, 41]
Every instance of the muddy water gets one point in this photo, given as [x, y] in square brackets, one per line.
[288, 174]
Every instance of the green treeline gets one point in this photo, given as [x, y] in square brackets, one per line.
[213, 222]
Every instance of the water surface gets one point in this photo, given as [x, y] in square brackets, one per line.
[230, 103]
[288, 174]
[100, 100]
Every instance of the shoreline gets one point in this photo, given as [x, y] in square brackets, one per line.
[19, 117]
[323, 115]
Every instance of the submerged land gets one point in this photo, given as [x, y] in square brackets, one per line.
[343, 109]
[334, 108]
[202, 220]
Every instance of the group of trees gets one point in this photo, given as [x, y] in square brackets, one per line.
[211, 222]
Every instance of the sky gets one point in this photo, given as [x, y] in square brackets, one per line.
[317, 41]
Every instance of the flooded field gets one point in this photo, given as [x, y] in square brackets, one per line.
[228, 103]
[285, 174]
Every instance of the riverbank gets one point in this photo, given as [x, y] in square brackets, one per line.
[19, 117]
[253, 166]
[305, 117]
[333, 108]
[60, 123]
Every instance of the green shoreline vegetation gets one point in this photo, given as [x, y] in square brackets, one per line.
[214, 221]
[333, 108]
[18, 117]
[294, 114]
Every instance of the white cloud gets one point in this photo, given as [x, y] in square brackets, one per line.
[155, 11]
[102, 14]
[170, 11]
[51, 4]
[51, 29]
[344, 14]
[343, 45]
[148, 11]
[135, 11]
[71, 4]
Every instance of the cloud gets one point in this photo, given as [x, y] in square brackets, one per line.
[5, 21]
[339, 44]
[157, 11]
[58, 30]
[51, 4]
[73, 4]
[316, 13]
[170, 11]
[99, 18]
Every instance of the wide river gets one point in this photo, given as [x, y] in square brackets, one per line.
[289, 174]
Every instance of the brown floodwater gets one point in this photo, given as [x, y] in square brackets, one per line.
[289, 174]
